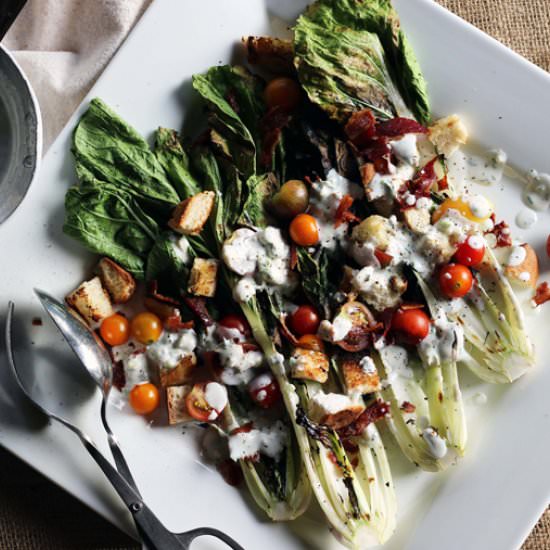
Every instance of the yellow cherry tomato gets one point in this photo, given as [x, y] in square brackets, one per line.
[115, 330]
[146, 327]
[304, 230]
[477, 208]
[144, 398]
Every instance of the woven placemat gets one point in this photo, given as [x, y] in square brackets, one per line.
[36, 515]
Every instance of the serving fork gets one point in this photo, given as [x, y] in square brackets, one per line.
[154, 534]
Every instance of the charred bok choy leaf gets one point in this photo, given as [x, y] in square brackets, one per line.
[352, 54]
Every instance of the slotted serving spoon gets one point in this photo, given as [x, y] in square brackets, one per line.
[154, 533]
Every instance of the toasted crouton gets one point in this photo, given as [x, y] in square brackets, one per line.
[307, 364]
[175, 403]
[360, 376]
[334, 410]
[180, 374]
[417, 219]
[91, 300]
[190, 215]
[448, 134]
[203, 278]
[375, 229]
[274, 54]
[523, 266]
[118, 282]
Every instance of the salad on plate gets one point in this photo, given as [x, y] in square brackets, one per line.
[307, 273]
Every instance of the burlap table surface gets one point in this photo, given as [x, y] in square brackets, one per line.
[35, 514]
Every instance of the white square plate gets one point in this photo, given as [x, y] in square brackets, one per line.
[490, 500]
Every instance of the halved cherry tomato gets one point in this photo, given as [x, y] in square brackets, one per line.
[414, 324]
[115, 330]
[471, 251]
[144, 398]
[264, 390]
[236, 322]
[196, 403]
[455, 280]
[283, 92]
[304, 230]
[146, 327]
[305, 320]
[311, 342]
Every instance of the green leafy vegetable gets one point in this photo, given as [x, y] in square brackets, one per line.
[109, 221]
[173, 158]
[352, 54]
[314, 277]
[235, 108]
[108, 148]
[259, 189]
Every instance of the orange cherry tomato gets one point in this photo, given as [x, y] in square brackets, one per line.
[414, 324]
[146, 327]
[471, 251]
[304, 230]
[283, 92]
[455, 280]
[144, 398]
[305, 320]
[115, 330]
[311, 342]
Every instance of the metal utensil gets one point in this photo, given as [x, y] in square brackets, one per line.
[92, 353]
[8, 13]
[154, 534]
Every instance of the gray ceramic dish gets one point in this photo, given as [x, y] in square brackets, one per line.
[20, 135]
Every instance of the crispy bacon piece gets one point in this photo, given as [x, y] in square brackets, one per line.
[361, 128]
[424, 179]
[198, 307]
[542, 293]
[374, 412]
[378, 150]
[443, 183]
[286, 332]
[359, 337]
[343, 215]
[271, 127]
[153, 292]
[119, 377]
[407, 407]
[249, 346]
[384, 258]
[502, 233]
[399, 126]
[174, 323]
[411, 305]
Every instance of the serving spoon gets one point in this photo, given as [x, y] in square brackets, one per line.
[153, 532]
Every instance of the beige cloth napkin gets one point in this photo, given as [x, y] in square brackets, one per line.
[64, 45]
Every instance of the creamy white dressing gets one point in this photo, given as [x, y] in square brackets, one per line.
[268, 440]
[337, 330]
[480, 207]
[396, 363]
[526, 218]
[367, 365]
[436, 444]
[216, 396]
[262, 258]
[322, 404]
[136, 370]
[325, 197]
[386, 186]
[405, 149]
[536, 194]
[485, 169]
[172, 347]
[376, 286]
[517, 256]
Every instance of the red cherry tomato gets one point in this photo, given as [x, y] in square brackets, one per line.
[236, 322]
[311, 342]
[304, 230]
[455, 280]
[264, 390]
[414, 324]
[144, 398]
[305, 320]
[471, 251]
[146, 327]
[115, 330]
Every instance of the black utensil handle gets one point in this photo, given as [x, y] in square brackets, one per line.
[9, 10]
